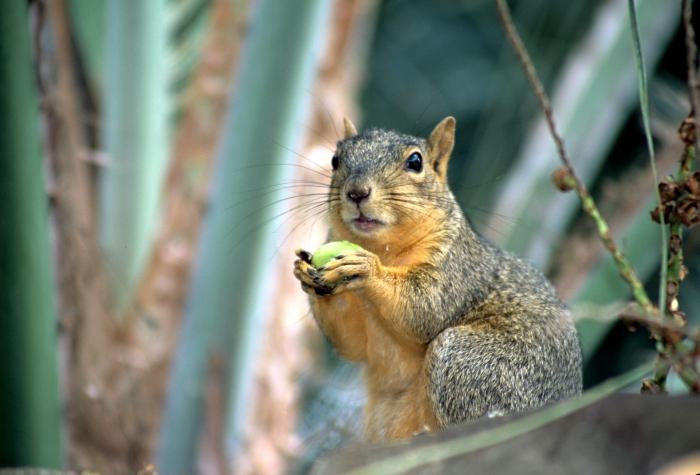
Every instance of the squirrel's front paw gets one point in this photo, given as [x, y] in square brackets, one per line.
[348, 272]
[344, 272]
[308, 275]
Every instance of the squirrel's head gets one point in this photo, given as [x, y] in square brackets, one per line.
[384, 181]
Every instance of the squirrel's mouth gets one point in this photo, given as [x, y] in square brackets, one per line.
[366, 224]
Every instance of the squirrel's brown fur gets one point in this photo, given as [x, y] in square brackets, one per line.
[450, 328]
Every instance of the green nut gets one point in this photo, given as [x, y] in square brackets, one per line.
[332, 249]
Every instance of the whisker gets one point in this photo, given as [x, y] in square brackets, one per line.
[249, 195]
[272, 203]
[303, 221]
[500, 216]
[319, 171]
[260, 225]
[285, 185]
[301, 155]
[326, 111]
[420, 116]
[278, 201]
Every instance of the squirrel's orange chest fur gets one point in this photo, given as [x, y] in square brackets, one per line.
[397, 402]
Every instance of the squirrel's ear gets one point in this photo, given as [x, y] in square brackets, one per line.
[350, 129]
[440, 144]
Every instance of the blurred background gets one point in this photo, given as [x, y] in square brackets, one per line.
[162, 159]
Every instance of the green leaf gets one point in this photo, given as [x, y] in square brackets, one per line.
[135, 138]
[644, 106]
[225, 304]
[88, 19]
[30, 410]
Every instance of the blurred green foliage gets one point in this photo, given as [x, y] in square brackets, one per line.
[30, 411]
[430, 59]
[230, 290]
[135, 137]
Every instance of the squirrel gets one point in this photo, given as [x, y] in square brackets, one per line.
[450, 327]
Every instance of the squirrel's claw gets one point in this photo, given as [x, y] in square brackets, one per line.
[309, 278]
[303, 255]
[305, 273]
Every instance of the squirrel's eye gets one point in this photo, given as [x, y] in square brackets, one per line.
[414, 162]
[334, 162]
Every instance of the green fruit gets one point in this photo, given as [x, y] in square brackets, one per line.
[332, 249]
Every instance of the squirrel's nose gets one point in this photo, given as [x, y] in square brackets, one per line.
[359, 194]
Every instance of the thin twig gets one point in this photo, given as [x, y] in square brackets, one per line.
[675, 263]
[669, 351]
[623, 265]
[633, 314]
[692, 53]
[678, 352]
[685, 361]
[644, 105]
[662, 367]
[671, 346]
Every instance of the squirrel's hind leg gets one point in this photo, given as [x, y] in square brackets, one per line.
[472, 373]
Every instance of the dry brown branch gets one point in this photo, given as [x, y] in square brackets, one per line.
[678, 208]
[669, 344]
[671, 330]
[621, 199]
[623, 265]
[85, 323]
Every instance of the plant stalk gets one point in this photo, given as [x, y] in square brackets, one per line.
[30, 408]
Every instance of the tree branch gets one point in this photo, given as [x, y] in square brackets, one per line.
[623, 265]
